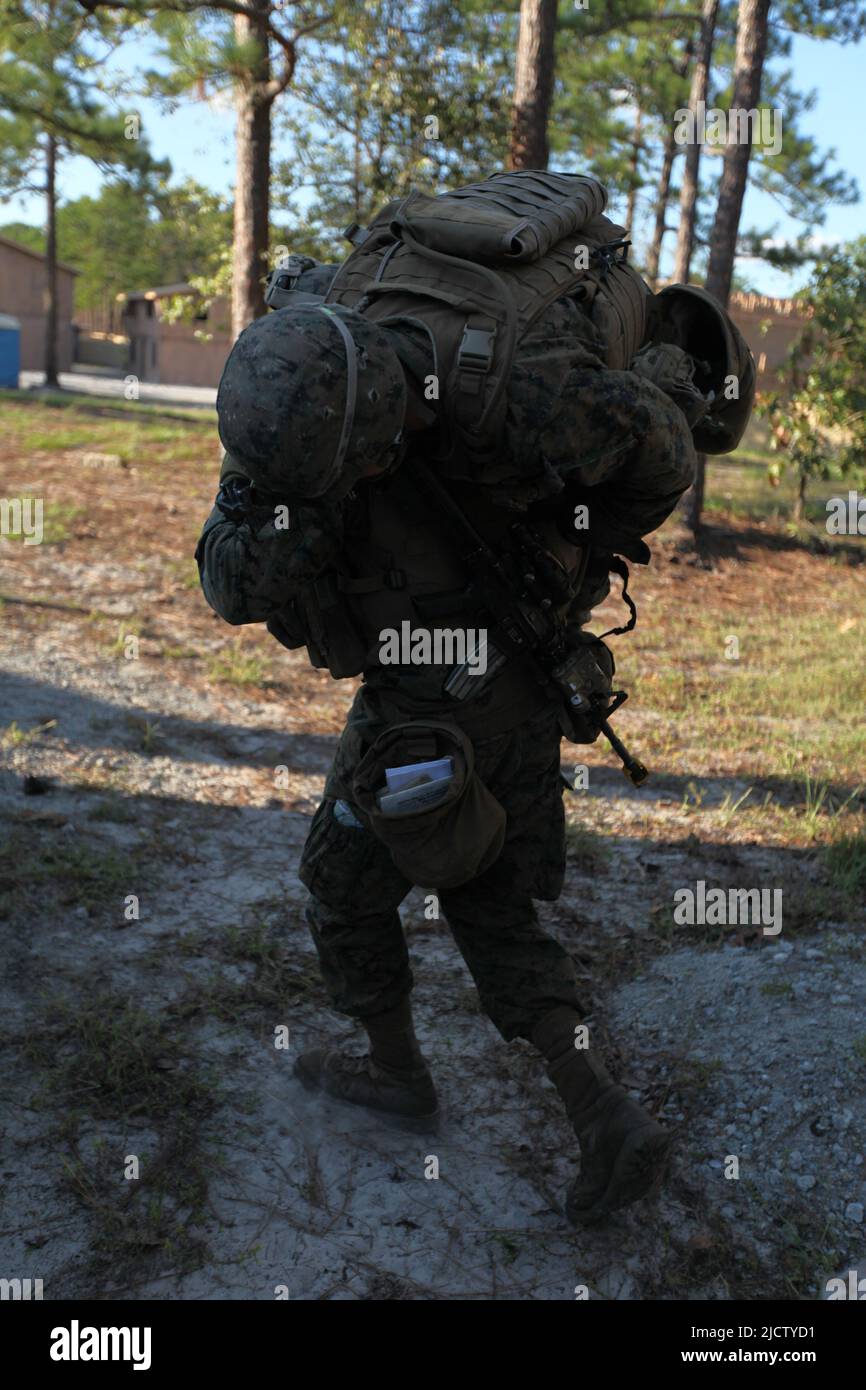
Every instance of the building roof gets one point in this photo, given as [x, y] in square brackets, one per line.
[37, 255]
[158, 292]
[752, 303]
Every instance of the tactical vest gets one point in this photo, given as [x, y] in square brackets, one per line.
[476, 268]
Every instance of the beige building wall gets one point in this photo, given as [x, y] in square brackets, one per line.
[22, 293]
[184, 353]
[770, 327]
[195, 361]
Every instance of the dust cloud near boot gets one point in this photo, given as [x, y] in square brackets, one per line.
[623, 1150]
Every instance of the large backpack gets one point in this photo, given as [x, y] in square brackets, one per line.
[476, 268]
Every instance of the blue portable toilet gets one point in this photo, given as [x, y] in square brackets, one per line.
[10, 350]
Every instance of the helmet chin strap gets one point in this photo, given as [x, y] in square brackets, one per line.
[351, 388]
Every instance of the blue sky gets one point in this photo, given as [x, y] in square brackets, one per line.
[197, 138]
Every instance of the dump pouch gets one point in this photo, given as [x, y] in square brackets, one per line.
[332, 639]
[288, 628]
[454, 840]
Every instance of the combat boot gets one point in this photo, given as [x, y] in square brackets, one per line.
[623, 1150]
[392, 1079]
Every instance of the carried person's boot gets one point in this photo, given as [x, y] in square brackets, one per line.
[392, 1078]
[623, 1150]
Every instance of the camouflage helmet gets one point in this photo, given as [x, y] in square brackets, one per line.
[695, 321]
[309, 397]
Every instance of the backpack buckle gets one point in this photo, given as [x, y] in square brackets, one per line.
[475, 356]
[282, 279]
[476, 349]
[356, 234]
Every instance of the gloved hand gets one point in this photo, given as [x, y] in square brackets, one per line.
[600, 532]
[673, 371]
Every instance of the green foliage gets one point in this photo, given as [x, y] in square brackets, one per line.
[126, 238]
[25, 235]
[638, 64]
[53, 54]
[819, 413]
[846, 862]
[843, 21]
[409, 95]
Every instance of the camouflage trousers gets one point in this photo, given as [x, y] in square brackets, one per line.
[521, 972]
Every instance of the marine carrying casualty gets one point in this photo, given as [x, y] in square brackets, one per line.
[476, 268]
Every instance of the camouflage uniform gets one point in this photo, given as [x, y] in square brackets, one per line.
[521, 973]
[572, 425]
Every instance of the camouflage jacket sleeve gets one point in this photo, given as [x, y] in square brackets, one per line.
[253, 568]
[621, 448]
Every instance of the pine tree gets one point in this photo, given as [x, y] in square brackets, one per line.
[53, 76]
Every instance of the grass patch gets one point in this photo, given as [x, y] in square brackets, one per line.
[740, 484]
[661, 923]
[116, 812]
[119, 646]
[148, 733]
[845, 860]
[587, 850]
[796, 687]
[58, 522]
[38, 878]
[140, 1224]
[236, 667]
[184, 572]
[716, 1258]
[21, 405]
[179, 653]
[794, 667]
[133, 432]
[753, 483]
[115, 1060]
[778, 989]
[109, 1061]
[272, 974]
[13, 736]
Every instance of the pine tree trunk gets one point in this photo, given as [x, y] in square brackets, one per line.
[800, 498]
[356, 166]
[253, 176]
[51, 314]
[689, 189]
[663, 191]
[694, 499]
[533, 85]
[752, 35]
[635, 167]
[752, 31]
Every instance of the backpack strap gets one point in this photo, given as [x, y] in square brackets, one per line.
[616, 565]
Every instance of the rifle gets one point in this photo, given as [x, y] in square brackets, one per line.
[523, 621]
